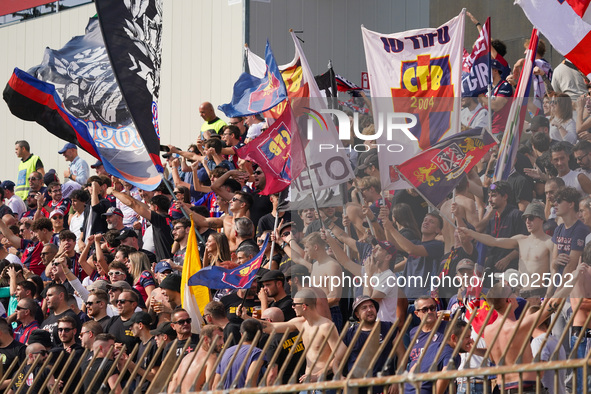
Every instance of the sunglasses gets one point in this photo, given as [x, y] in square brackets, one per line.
[55, 264]
[234, 199]
[64, 329]
[113, 273]
[34, 179]
[57, 217]
[293, 305]
[285, 233]
[123, 301]
[426, 309]
[90, 303]
[20, 308]
[182, 321]
[258, 172]
[42, 352]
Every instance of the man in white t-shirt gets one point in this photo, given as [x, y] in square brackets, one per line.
[13, 201]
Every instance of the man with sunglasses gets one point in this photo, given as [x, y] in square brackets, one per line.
[67, 331]
[27, 376]
[25, 315]
[126, 304]
[181, 322]
[96, 307]
[581, 153]
[425, 307]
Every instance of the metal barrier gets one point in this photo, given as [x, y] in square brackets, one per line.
[359, 376]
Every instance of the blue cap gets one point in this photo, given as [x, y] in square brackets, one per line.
[97, 164]
[163, 266]
[8, 185]
[69, 145]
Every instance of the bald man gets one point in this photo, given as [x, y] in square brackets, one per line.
[212, 122]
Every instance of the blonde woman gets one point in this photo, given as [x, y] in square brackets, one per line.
[217, 250]
[143, 279]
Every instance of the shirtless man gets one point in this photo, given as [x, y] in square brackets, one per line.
[535, 249]
[192, 364]
[582, 289]
[322, 269]
[239, 207]
[308, 319]
[501, 298]
[466, 204]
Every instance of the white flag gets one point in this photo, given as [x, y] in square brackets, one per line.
[416, 73]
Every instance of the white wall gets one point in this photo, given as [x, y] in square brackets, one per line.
[202, 57]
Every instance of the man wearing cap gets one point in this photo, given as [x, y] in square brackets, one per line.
[365, 311]
[163, 335]
[96, 307]
[78, 170]
[114, 290]
[129, 237]
[126, 304]
[140, 327]
[273, 283]
[473, 114]
[535, 249]
[114, 218]
[14, 202]
[500, 97]
[539, 124]
[99, 168]
[368, 164]
[29, 163]
[4, 209]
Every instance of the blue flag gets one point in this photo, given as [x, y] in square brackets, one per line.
[241, 277]
[254, 95]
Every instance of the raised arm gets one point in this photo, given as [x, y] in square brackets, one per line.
[139, 207]
[216, 186]
[505, 243]
[14, 240]
[340, 255]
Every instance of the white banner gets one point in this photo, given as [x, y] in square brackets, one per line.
[416, 72]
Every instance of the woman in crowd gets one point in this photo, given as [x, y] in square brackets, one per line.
[217, 250]
[562, 125]
[143, 279]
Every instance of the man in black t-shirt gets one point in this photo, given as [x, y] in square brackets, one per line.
[9, 348]
[101, 365]
[140, 327]
[157, 214]
[181, 322]
[273, 283]
[56, 298]
[126, 304]
[28, 376]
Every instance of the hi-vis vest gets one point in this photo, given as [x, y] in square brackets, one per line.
[24, 170]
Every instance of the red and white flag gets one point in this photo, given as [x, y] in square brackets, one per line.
[566, 24]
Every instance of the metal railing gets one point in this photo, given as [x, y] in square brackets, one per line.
[360, 375]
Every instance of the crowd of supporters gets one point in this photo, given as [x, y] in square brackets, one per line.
[91, 262]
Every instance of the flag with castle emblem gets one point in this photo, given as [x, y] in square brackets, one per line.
[253, 95]
[414, 72]
[436, 171]
[241, 277]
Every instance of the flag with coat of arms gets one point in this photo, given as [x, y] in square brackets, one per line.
[253, 95]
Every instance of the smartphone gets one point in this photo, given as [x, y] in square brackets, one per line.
[164, 148]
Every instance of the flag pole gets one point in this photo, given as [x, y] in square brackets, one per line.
[274, 230]
[425, 198]
[199, 237]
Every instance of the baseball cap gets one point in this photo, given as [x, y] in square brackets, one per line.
[163, 266]
[120, 284]
[369, 160]
[139, 317]
[285, 225]
[69, 145]
[171, 282]
[56, 212]
[50, 176]
[98, 284]
[537, 122]
[164, 328]
[361, 299]
[97, 164]
[534, 209]
[272, 275]
[126, 233]
[494, 63]
[465, 264]
[8, 185]
[114, 211]
[297, 270]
